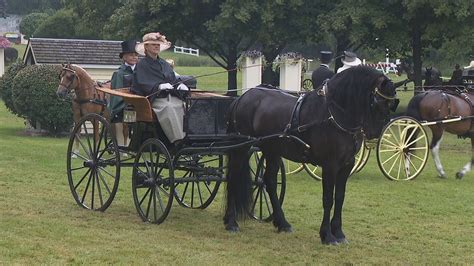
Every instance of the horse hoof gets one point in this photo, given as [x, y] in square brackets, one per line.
[232, 228]
[459, 175]
[443, 176]
[333, 242]
[288, 229]
[342, 241]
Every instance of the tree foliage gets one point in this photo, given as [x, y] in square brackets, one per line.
[60, 25]
[23, 7]
[30, 23]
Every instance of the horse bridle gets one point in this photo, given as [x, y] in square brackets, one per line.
[68, 87]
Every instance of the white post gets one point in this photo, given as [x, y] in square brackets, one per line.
[251, 73]
[2, 61]
[290, 75]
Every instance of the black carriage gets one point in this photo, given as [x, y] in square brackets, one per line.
[190, 172]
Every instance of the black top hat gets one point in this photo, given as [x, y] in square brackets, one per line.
[128, 47]
[325, 56]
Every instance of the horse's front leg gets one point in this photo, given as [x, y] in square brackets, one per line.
[336, 222]
[468, 166]
[270, 178]
[329, 177]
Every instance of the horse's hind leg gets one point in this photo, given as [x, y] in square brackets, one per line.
[434, 146]
[468, 165]
[270, 179]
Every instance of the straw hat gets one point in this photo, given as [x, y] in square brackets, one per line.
[153, 38]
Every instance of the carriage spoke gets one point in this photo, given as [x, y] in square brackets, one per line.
[93, 189]
[144, 196]
[267, 203]
[192, 194]
[390, 158]
[200, 194]
[87, 187]
[390, 150]
[393, 135]
[152, 194]
[99, 190]
[104, 182]
[412, 164]
[400, 164]
[395, 162]
[82, 179]
[88, 151]
[416, 156]
[162, 207]
[390, 144]
[416, 140]
[418, 148]
[261, 203]
[256, 199]
[410, 136]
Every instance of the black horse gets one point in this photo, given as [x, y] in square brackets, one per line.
[331, 122]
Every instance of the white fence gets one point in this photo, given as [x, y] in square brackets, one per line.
[184, 50]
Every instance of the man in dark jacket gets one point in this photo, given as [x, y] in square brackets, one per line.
[322, 72]
[122, 78]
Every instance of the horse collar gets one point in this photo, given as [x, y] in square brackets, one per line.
[352, 131]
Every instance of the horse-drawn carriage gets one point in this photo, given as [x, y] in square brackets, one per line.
[190, 172]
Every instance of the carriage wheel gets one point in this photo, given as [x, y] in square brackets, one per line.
[93, 163]
[198, 178]
[292, 167]
[261, 206]
[314, 171]
[153, 181]
[307, 84]
[361, 157]
[402, 150]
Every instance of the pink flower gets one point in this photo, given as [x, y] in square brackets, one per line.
[4, 42]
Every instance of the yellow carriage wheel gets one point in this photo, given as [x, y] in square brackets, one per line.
[315, 171]
[361, 158]
[291, 167]
[402, 149]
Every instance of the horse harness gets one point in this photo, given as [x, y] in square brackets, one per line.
[458, 94]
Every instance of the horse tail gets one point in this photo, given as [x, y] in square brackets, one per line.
[413, 108]
[239, 183]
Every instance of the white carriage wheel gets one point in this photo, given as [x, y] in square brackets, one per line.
[402, 149]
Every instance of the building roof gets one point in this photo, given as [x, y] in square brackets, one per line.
[74, 51]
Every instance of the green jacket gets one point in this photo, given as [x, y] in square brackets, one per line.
[116, 104]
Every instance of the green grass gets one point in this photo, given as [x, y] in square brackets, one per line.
[424, 221]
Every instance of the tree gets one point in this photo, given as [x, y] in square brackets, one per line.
[220, 29]
[24, 7]
[93, 16]
[60, 25]
[30, 23]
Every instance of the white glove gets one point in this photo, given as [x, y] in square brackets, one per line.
[165, 86]
[183, 87]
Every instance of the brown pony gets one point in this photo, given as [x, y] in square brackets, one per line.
[86, 98]
[438, 105]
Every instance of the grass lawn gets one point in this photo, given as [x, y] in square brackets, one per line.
[424, 221]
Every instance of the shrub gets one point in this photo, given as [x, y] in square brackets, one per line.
[34, 97]
[6, 84]
[11, 55]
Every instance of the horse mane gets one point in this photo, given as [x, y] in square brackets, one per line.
[350, 89]
[82, 72]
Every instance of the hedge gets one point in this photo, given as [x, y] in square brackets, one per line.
[6, 84]
[34, 97]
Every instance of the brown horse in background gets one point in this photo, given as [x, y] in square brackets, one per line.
[437, 105]
[86, 98]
